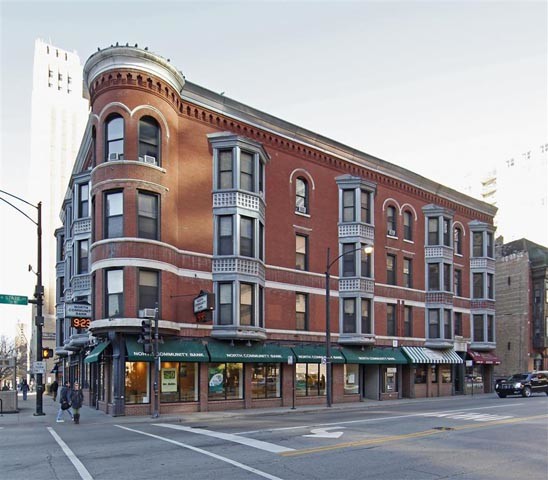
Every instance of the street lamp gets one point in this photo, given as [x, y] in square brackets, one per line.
[367, 250]
[38, 293]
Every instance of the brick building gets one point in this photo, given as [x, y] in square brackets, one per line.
[522, 287]
[178, 191]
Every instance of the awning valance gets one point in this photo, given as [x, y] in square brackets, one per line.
[375, 355]
[316, 353]
[172, 350]
[96, 352]
[255, 353]
[427, 355]
[485, 358]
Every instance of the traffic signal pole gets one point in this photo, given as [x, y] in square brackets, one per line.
[156, 412]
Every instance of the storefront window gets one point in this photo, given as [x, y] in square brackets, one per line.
[265, 382]
[179, 382]
[420, 374]
[310, 380]
[351, 379]
[226, 381]
[434, 373]
[137, 382]
[445, 372]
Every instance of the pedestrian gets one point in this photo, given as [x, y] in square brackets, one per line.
[76, 400]
[64, 402]
[54, 387]
[25, 388]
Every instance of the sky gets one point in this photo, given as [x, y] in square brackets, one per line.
[445, 89]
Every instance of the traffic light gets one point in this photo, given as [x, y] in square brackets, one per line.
[146, 335]
[47, 352]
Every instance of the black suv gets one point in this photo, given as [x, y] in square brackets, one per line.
[524, 384]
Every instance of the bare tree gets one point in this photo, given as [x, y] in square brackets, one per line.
[7, 350]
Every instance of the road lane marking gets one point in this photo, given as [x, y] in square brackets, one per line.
[323, 433]
[393, 438]
[82, 471]
[460, 415]
[205, 452]
[368, 420]
[250, 442]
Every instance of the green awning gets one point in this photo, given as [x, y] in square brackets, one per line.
[255, 353]
[316, 353]
[374, 355]
[94, 355]
[172, 350]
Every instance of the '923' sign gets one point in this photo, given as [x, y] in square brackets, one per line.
[80, 322]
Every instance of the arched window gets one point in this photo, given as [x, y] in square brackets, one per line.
[114, 135]
[149, 141]
[407, 225]
[457, 240]
[391, 221]
[301, 195]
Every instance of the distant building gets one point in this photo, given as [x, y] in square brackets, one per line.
[58, 118]
[518, 187]
[522, 308]
[178, 191]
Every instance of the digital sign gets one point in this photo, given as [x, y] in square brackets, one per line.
[80, 322]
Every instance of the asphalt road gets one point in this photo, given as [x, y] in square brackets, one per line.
[473, 438]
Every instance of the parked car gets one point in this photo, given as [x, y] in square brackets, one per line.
[524, 384]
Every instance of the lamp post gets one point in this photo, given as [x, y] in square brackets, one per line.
[38, 293]
[329, 263]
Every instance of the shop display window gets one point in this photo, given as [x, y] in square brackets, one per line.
[446, 374]
[226, 381]
[420, 374]
[351, 379]
[265, 380]
[179, 382]
[310, 379]
[137, 382]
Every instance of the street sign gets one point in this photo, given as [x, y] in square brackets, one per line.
[80, 310]
[14, 299]
[39, 367]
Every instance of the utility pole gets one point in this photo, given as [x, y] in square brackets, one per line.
[156, 354]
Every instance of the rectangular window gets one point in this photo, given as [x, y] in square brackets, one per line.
[226, 381]
[114, 293]
[366, 316]
[301, 248]
[477, 244]
[225, 304]
[447, 330]
[301, 311]
[433, 277]
[478, 328]
[489, 242]
[490, 328]
[247, 243]
[420, 373]
[408, 273]
[310, 379]
[265, 380]
[351, 379]
[148, 289]
[137, 383]
[83, 256]
[391, 320]
[391, 228]
[477, 279]
[349, 260]
[490, 287]
[447, 277]
[407, 226]
[247, 181]
[433, 323]
[261, 241]
[447, 232]
[247, 304]
[83, 200]
[433, 228]
[261, 307]
[179, 382]
[365, 267]
[114, 215]
[225, 180]
[365, 209]
[408, 321]
[445, 373]
[349, 315]
[225, 245]
[148, 216]
[349, 211]
[457, 323]
[391, 269]
[457, 283]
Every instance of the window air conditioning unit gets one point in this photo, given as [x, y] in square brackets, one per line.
[115, 156]
[392, 233]
[149, 159]
[301, 209]
[147, 313]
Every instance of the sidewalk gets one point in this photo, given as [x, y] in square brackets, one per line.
[26, 417]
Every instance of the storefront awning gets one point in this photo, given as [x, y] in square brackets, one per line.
[255, 353]
[427, 355]
[172, 350]
[484, 358]
[316, 353]
[376, 355]
[96, 352]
